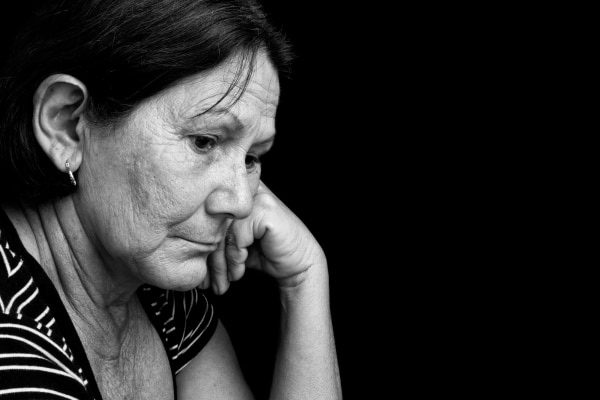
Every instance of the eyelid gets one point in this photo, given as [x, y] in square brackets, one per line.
[263, 148]
[215, 136]
[193, 137]
[258, 155]
[255, 160]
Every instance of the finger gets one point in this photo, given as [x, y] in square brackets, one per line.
[205, 284]
[217, 267]
[254, 259]
[236, 259]
[235, 255]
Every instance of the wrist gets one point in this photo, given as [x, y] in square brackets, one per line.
[309, 283]
[314, 265]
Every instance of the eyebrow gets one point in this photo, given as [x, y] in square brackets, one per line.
[239, 125]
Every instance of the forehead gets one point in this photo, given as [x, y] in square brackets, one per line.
[226, 85]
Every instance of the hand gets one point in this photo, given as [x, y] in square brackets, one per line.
[271, 239]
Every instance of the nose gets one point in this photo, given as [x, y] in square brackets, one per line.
[233, 196]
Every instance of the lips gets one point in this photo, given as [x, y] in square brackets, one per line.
[210, 243]
[209, 246]
[204, 246]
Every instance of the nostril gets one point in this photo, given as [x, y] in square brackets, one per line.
[230, 202]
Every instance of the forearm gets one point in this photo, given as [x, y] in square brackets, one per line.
[306, 366]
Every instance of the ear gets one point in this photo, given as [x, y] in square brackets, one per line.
[58, 105]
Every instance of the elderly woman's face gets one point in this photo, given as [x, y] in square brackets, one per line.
[158, 193]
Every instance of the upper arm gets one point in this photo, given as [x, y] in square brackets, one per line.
[214, 373]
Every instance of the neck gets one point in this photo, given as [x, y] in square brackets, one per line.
[96, 291]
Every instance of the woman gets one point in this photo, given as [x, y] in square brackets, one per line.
[130, 138]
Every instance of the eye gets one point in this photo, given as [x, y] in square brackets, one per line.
[204, 143]
[252, 161]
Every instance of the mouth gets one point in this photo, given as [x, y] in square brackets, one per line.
[208, 247]
[204, 247]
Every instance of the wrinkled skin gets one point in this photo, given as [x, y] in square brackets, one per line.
[159, 192]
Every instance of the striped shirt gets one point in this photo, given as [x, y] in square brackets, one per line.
[41, 355]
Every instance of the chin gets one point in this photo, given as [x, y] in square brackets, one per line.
[185, 276]
[183, 288]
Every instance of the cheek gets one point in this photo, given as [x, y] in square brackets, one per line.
[161, 191]
[147, 186]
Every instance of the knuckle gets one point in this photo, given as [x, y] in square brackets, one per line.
[234, 257]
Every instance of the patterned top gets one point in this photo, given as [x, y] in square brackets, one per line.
[41, 355]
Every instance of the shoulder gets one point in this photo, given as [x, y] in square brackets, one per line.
[185, 321]
[35, 359]
[33, 363]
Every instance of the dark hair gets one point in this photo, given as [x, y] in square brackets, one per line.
[124, 51]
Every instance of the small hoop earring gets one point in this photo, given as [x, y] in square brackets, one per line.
[71, 176]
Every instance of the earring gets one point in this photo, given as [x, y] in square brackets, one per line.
[68, 166]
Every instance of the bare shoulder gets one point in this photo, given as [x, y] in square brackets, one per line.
[214, 373]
